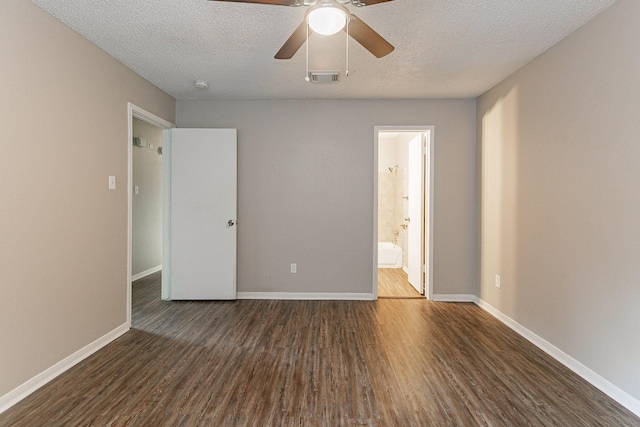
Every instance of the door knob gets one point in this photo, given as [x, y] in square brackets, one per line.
[231, 223]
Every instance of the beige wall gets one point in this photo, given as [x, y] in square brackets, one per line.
[63, 234]
[560, 195]
[147, 204]
[305, 189]
[392, 186]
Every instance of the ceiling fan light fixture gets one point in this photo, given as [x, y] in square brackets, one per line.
[327, 18]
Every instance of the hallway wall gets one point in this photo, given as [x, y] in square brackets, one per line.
[147, 204]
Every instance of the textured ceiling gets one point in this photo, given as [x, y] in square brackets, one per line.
[443, 48]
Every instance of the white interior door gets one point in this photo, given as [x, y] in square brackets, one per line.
[416, 202]
[202, 214]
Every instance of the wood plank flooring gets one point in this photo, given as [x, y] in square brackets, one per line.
[394, 362]
[393, 283]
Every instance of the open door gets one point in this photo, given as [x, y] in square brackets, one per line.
[415, 222]
[200, 214]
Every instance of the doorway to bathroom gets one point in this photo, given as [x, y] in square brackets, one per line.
[403, 211]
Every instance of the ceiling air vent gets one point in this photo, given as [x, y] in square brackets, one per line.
[324, 76]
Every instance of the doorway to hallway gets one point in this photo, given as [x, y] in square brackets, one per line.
[139, 115]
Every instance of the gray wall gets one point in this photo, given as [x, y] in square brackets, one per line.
[147, 204]
[63, 234]
[305, 189]
[560, 197]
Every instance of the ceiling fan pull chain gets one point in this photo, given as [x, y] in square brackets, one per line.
[306, 77]
[347, 60]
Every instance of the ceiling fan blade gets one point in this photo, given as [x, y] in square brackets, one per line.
[370, 2]
[272, 2]
[368, 38]
[293, 43]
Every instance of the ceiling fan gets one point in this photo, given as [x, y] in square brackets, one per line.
[327, 17]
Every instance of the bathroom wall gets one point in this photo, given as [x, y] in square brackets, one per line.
[386, 153]
[390, 192]
[147, 204]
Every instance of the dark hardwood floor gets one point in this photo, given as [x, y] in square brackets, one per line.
[394, 362]
[393, 283]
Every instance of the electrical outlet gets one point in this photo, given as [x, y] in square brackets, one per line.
[498, 282]
[294, 268]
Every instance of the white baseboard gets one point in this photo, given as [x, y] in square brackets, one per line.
[146, 273]
[453, 298]
[614, 392]
[305, 296]
[22, 391]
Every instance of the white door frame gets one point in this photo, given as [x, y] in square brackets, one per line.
[428, 200]
[133, 111]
